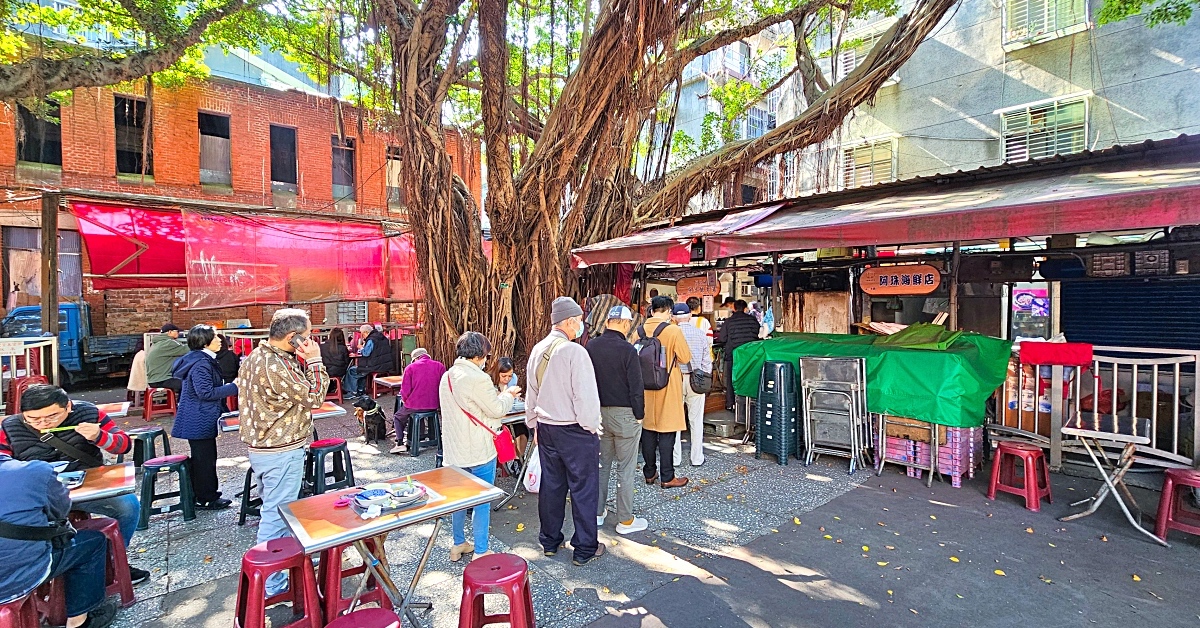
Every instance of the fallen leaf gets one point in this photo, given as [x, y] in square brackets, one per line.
[881, 524]
[891, 547]
[208, 559]
[932, 517]
[141, 550]
[889, 591]
[605, 589]
[882, 563]
[1137, 578]
[866, 549]
[838, 541]
[958, 596]
[675, 580]
[829, 538]
[774, 530]
[1155, 594]
[954, 559]
[796, 520]
[1000, 572]
[1052, 545]
[837, 518]
[520, 527]
[1104, 538]
[1029, 530]
[729, 497]
[822, 529]
[913, 611]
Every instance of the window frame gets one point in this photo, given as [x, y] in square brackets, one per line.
[344, 144]
[1011, 43]
[1083, 98]
[847, 150]
[396, 200]
[352, 309]
[147, 133]
[23, 112]
[228, 172]
[282, 185]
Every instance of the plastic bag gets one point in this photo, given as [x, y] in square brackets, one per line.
[533, 473]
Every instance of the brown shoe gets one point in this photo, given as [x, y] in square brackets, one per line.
[676, 483]
[598, 554]
[652, 480]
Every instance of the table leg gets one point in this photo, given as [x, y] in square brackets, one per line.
[1111, 488]
[1101, 493]
[379, 569]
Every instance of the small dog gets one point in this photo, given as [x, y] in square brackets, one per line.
[371, 419]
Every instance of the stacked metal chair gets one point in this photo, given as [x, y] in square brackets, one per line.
[834, 399]
[776, 417]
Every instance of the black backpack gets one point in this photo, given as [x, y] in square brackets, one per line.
[655, 373]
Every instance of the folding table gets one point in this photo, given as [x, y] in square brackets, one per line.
[1127, 430]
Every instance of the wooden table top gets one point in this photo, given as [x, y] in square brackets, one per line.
[391, 381]
[231, 421]
[115, 410]
[104, 482]
[318, 525]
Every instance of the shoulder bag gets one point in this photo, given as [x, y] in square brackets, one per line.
[506, 450]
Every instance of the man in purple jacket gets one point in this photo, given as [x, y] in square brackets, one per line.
[419, 391]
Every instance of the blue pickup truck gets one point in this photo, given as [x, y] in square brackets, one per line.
[81, 356]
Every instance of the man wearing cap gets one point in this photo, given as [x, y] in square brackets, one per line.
[161, 358]
[375, 356]
[664, 408]
[420, 392]
[699, 342]
[563, 406]
[619, 381]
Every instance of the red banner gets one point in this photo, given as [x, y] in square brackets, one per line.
[132, 247]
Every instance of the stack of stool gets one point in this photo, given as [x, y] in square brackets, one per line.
[1035, 483]
[776, 420]
[367, 618]
[116, 580]
[155, 408]
[1171, 513]
[143, 444]
[179, 465]
[316, 479]
[264, 559]
[504, 574]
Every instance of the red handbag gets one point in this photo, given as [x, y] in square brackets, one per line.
[506, 450]
[1056, 353]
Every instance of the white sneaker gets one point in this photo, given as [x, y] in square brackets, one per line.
[600, 518]
[399, 449]
[638, 525]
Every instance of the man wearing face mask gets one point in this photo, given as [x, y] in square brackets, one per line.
[563, 405]
[279, 384]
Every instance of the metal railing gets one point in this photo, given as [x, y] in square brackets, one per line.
[22, 357]
[1118, 378]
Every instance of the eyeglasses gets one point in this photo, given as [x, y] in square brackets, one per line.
[50, 417]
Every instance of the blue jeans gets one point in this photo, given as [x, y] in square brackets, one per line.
[353, 379]
[124, 508]
[82, 565]
[279, 478]
[481, 515]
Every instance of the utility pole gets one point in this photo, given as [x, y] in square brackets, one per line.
[50, 203]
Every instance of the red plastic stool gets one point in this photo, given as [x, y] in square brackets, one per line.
[335, 394]
[261, 561]
[117, 571]
[504, 574]
[155, 408]
[367, 618]
[22, 613]
[329, 582]
[1171, 513]
[50, 599]
[1036, 475]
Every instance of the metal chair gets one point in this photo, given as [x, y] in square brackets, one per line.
[836, 420]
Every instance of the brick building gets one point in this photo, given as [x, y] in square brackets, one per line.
[219, 142]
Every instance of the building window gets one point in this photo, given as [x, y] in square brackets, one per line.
[1030, 21]
[1043, 129]
[395, 186]
[135, 153]
[352, 312]
[737, 59]
[871, 162]
[283, 159]
[343, 168]
[39, 138]
[214, 149]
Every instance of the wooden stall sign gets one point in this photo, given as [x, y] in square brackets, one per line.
[896, 280]
[699, 287]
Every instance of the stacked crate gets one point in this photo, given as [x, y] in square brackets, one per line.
[960, 455]
[776, 416]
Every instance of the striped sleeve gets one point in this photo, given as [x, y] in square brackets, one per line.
[111, 438]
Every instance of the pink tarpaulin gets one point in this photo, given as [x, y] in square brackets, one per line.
[132, 247]
[403, 281]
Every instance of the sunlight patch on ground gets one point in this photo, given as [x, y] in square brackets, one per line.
[817, 478]
[815, 584]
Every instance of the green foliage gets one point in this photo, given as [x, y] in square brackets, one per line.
[1155, 12]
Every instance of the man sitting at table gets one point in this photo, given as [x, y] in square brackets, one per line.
[52, 428]
[419, 390]
[161, 357]
[375, 356]
[36, 544]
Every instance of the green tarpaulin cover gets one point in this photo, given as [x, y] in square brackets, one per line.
[947, 387]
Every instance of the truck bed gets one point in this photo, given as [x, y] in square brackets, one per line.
[101, 346]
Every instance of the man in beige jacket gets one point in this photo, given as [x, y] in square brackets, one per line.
[664, 408]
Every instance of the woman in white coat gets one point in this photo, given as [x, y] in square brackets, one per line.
[472, 412]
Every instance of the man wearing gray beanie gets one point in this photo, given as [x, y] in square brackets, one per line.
[563, 406]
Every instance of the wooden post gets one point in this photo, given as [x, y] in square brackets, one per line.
[50, 203]
[954, 263]
[776, 289]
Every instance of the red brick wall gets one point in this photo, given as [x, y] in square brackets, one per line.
[89, 154]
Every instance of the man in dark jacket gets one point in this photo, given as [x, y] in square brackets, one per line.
[375, 357]
[622, 406]
[199, 408]
[35, 500]
[737, 330]
[45, 407]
